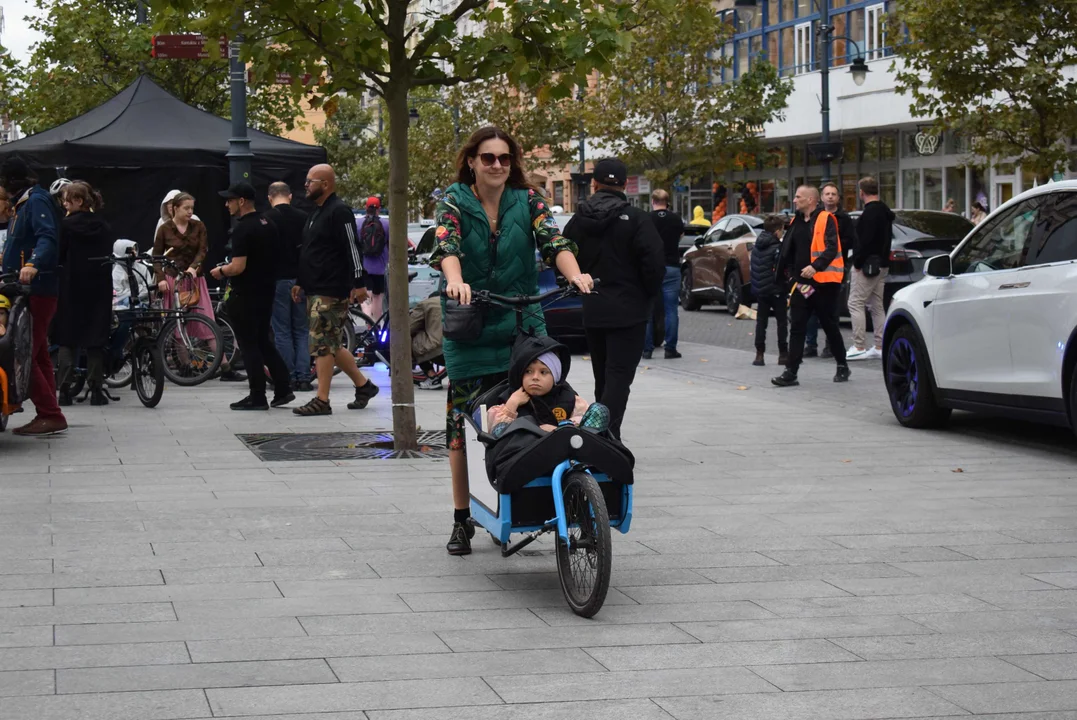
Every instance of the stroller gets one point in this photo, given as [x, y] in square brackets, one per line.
[16, 346]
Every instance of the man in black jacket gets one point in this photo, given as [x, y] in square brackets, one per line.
[619, 245]
[670, 228]
[767, 290]
[331, 275]
[289, 318]
[871, 264]
[847, 234]
[812, 265]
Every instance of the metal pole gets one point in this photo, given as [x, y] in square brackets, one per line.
[456, 123]
[239, 145]
[824, 74]
[580, 197]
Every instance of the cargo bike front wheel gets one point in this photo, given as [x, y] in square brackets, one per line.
[583, 563]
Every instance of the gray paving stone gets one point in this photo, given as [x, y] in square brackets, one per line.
[732, 591]
[471, 664]
[920, 539]
[829, 704]
[1067, 580]
[874, 605]
[627, 684]
[288, 607]
[434, 601]
[281, 574]
[1012, 697]
[865, 555]
[25, 636]
[160, 705]
[166, 593]
[351, 588]
[963, 645]
[1024, 550]
[19, 567]
[198, 675]
[85, 614]
[1048, 667]
[1032, 600]
[564, 637]
[441, 622]
[24, 598]
[47, 658]
[26, 682]
[671, 613]
[155, 632]
[380, 645]
[895, 673]
[602, 710]
[663, 657]
[1003, 620]
[971, 585]
[80, 580]
[802, 628]
[786, 573]
[398, 694]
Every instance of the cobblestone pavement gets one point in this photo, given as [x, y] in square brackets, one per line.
[795, 555]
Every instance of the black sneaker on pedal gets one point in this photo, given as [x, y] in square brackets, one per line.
[460, 540]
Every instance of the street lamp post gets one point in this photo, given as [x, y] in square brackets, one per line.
[826, 151]
[239, 145]
[413, 114]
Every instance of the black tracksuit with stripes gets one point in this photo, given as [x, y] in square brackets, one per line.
[329, 262]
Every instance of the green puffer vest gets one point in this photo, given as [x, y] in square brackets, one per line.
[510, 269]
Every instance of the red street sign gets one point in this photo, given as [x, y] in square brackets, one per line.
[282, 78]
[185, 47]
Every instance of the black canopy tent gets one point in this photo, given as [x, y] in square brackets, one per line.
[144, 142]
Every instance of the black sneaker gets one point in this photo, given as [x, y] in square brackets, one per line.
[363, 395]
[786, 379]
[648, 354]
[673, 355]
[827, 354]
[843, 373]
[304, 386]
[460, 540]
[282, 399]
[249, 403]
[811, 352]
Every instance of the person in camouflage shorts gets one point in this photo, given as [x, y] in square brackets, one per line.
[326, 316]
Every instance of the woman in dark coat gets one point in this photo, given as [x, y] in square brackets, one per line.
[84, 316]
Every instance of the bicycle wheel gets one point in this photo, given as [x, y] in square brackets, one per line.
[584, 563]
[229, 348]
[191, 349]
[148, 375]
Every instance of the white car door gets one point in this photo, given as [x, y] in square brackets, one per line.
[1045, 309]
[970, 346]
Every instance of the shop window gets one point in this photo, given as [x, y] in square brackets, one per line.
[559, 192]
[777, 157]
[870, 149]
[782, 200]
[849, 192]
[955, 189]
[766, 196]
[888, 147]
[933, 189]
[851, 151]
[788, 10]
[798, 156]
[838, 48]
[888, 187]
[835, 4]
[772, 12]
[876, 31]
[980, 188]
[910, 189]
[804, 8]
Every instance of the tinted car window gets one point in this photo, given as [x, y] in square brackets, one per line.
[945, 225]
[1056, 237]
[1002, 243]
[737, 228]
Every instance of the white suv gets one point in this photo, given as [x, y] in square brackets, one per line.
[991, 326]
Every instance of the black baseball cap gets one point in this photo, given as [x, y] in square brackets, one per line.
[611, 171]
[239, 190]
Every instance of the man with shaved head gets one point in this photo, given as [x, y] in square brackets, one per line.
[811, 263]
[331, 276]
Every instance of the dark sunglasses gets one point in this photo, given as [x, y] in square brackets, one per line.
[488, 159]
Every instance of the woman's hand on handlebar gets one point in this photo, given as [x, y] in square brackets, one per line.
[583, 282]
[163, 286]
[459, 291]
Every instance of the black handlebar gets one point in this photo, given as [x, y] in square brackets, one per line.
[520, 301]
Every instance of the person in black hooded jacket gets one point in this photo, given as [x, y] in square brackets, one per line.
[537, 386]
[620, 246]
[768, 291]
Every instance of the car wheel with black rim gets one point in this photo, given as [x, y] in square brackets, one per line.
[688, 301]
[909, 383]
[734, 291]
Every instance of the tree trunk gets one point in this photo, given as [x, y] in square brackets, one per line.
[403, 389]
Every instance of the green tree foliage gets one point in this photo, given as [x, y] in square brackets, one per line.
[388, 47]
[664, 108]
[995, 70]
[356, 150]
[93, 49]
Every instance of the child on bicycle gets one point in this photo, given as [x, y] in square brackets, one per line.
[538, 390]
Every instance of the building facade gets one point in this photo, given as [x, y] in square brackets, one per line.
[916, 168]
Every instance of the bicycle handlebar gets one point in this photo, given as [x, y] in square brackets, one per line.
[521, 301]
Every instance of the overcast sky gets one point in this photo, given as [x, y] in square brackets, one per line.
[18, 37]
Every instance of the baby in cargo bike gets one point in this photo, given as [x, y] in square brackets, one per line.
[552, 465]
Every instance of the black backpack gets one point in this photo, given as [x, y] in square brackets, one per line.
[372, 237]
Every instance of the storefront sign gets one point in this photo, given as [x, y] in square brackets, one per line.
[644, 186]
[927, 143]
